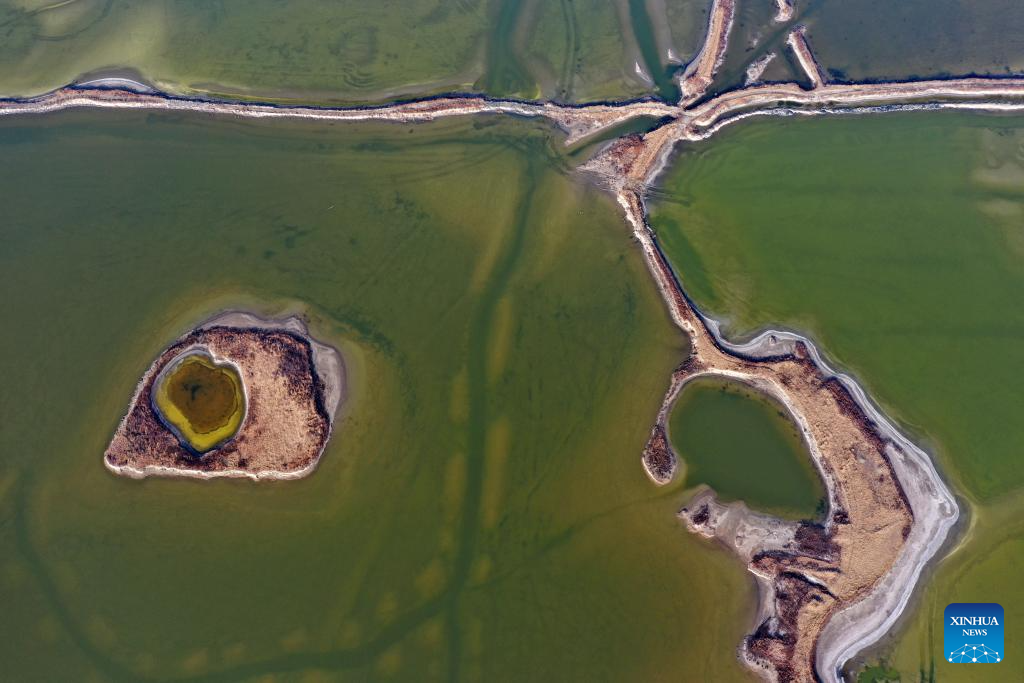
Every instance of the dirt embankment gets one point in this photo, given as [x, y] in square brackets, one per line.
[700, 72]
[797, 41]
[783, 11]
[578, 122]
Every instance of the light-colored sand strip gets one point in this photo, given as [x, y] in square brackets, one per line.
[117, 82]
[797, 41]
[982, 92]
[577, 122]
[783, 11]
[700, 72]
[756, 69]
[184, 473]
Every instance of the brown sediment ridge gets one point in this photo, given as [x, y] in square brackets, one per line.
[700, 72]
[293, 386]
[827, 590]
[578, 122]
[635, 161]
[783, 11]
[797, 41]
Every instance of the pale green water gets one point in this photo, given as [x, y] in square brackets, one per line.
[744, 446]
[897, 242]
[480, 513]
[352, 51]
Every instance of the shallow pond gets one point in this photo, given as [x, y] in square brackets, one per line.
[202, 401]
[743, 445]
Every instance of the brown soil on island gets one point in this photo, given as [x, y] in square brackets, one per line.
[288, 416]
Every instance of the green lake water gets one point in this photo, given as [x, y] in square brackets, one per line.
[744, 446]
[353, 51]
[480, 512]
[884, 40]
[880, 40]
[896, 242]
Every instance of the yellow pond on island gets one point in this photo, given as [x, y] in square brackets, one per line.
[201, 401]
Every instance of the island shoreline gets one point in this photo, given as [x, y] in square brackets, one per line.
[329, 393]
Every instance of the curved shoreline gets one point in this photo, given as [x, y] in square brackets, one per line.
[871, 609]
[327, 394]
[220, 361]
[328, 361]
[935, 514]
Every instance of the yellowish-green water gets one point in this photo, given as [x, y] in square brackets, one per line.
[480, 512]
[202, 401]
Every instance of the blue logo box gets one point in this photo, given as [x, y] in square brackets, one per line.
[973, 633]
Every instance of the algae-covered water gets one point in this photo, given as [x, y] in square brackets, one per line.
[480, 512]
[896, 242]
[744, 446]
[353, 51]
[202, 401]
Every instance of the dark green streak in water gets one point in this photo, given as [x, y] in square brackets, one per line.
[480, 345]
[505, 74]
[667, 88]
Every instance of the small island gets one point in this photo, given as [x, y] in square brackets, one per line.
[239, 396]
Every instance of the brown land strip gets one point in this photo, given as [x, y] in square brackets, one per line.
[797, 41]
[783, 11]
[811, 571]
[700, 72]
[889, 512]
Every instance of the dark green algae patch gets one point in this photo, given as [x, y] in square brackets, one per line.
[742, 444]
[201, 401]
